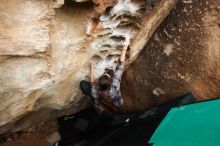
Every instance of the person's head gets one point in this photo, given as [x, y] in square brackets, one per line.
[105, 82]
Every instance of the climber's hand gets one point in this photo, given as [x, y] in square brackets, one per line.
[127, 41]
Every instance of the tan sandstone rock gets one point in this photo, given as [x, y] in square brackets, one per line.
[182, 56]
[47, 45]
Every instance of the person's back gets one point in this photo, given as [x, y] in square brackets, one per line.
[105, 92]
[109, 98]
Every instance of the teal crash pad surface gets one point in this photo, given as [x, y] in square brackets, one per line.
[191, 125]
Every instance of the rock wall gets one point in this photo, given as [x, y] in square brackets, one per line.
[47, 45]
[182, 56]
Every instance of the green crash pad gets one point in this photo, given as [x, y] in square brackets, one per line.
[191, 125]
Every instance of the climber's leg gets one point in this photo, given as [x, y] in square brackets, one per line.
[85, 86]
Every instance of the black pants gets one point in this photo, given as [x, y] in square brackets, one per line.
[85, 86]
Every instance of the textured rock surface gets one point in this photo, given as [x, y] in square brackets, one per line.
[37, 55]
[46, 47]
[182, 56]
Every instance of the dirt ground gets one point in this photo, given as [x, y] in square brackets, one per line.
[34, 136]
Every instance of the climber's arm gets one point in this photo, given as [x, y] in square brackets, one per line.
[123, 54]
[124, 48]
[120, 65]
[92, 73]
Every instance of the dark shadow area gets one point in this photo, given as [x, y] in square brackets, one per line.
[74, 4]
[88, 128]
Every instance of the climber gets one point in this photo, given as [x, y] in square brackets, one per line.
[105, 91]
